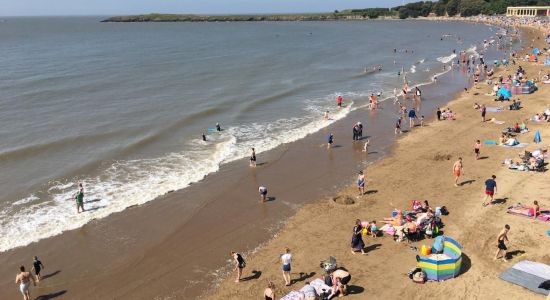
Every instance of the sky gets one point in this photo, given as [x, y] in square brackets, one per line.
[125, 7]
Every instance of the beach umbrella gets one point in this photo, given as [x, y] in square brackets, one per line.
[505, 93]
[537, 137]
[444, 266]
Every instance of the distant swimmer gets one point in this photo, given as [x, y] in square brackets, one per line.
[330, 141]
[203, 137]
[379, 68]
[339, 101]
[218, 127]
[79, 198]
[253, 158]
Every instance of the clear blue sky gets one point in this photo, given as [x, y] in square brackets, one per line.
[116, 7]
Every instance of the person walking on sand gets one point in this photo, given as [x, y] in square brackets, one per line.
[483, 112]
[357, 243]
[330, 141]
[286, 260]
[253, 157]
[438, 113]
[37, 266]
[490, 190]
[501, 246]
[457, 169]
[79, 198]
[24, 280]
[240, 264]
[263, 193]
[477, 147]
[361, 183]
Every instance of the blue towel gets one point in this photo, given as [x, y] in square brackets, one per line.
[490, 143]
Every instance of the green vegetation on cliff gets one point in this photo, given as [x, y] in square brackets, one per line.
[411, 10]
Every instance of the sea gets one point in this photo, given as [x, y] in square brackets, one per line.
[121, 107]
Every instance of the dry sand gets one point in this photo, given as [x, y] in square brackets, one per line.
[416, 170]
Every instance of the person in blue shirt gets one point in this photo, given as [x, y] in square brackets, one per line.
[490, 190]
[330, 141]
[412, 116]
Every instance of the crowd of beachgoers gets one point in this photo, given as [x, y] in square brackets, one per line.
[420, 219]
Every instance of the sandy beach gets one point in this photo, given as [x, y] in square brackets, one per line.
[420, 169]
[167, 249]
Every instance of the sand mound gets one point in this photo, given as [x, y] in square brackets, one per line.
[343, 200]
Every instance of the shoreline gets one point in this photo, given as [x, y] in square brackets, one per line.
[278, 154]
[303, 227]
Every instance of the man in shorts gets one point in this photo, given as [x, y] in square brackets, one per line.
[79, 198]
[457, 169]
[501, 238]
[490, 190]
[24, 280]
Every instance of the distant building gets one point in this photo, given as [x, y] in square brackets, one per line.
[528, 11]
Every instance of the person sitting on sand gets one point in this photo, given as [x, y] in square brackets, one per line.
[269, 292]
[512, 141]
[502, 139]
[373, 229]
[535, 209]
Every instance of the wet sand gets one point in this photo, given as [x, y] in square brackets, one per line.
[172, 247]
[419, 169]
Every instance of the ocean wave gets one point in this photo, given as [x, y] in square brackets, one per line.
[128, 183]
[446, 59]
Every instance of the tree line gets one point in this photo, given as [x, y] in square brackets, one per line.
[451, 8]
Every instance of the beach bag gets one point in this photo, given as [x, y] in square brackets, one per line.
[419, 277]
[444, 211]
[413, 271]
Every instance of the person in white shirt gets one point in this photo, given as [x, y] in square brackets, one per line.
[286, 259]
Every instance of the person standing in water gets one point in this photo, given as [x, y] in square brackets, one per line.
[339, 101]
[253, 158]
[361, 183]
[24, 280]
[263, 193]
[37, 266]
[330, 141]
[412, 117]
[240, 264]
[457, 169]
[398, 126]
[79, 198]
[218, 127]
[203, 137]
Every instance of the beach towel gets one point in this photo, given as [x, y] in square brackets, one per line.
[320, 286]
[494, 109]
[493, 120]
[490, 142]
[293, 295]
[526, 211]
[529, 275]
[520, 145]
[537, 137]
